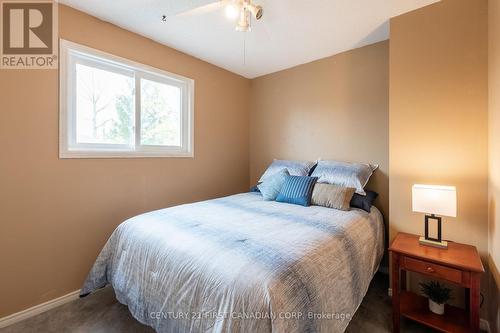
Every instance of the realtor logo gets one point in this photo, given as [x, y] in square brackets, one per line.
[29, 34]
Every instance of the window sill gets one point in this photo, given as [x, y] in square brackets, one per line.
[123, 154]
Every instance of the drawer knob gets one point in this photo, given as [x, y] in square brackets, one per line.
[430, 269]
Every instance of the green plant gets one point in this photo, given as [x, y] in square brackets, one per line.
[436, 292]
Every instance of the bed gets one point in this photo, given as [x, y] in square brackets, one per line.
[241, 264]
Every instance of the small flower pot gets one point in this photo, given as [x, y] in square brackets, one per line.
[436, 307]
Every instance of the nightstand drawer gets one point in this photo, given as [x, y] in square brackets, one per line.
[438, 271]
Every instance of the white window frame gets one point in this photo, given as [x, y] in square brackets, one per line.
[72, 53]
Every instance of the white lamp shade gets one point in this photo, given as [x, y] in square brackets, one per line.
[435, 199]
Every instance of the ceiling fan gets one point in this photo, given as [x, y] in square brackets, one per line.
[242, 10]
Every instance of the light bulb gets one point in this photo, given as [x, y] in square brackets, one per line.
[232, 11]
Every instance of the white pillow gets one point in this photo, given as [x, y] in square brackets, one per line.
[344, 174]
[295, 168]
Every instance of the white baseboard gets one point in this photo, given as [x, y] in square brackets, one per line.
[37, 309]
[484, 325]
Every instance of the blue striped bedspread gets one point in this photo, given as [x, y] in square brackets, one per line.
[241, 264]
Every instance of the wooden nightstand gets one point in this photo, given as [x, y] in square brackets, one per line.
[459, 264]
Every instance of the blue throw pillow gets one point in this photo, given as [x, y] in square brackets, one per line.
[297, 190]
[272, 185]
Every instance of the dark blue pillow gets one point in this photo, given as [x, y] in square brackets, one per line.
[364, 202]
[255, 188]
[297, 190]
[312, 169]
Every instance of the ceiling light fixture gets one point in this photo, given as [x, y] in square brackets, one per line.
[243, 24]
[241, 10]
[257, 11]
[244, 10]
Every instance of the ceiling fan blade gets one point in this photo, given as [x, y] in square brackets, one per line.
[203, 9]
[173, 7]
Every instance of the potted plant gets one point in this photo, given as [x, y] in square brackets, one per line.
[438, 295]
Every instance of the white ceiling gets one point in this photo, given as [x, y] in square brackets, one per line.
[292, 32]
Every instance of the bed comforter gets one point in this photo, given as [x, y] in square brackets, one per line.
[241, 264]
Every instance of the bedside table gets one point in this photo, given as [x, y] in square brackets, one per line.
[459, 264]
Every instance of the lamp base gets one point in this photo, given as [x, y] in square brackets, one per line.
[427, 242]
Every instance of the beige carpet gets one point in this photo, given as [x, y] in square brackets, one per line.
[100, 312]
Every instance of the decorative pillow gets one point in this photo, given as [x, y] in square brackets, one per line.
[295, 168]
[255, 188]
[272, 185]
[364, 202]
[332, 196]
[297, 190]
[344, 174]
[312, 169]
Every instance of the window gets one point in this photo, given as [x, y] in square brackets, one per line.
[113, 107]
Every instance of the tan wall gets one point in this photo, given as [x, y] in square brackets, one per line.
[55, 215]
[494, 158]
[438, 120]
[333, 108]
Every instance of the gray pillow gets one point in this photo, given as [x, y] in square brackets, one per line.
[271, 186]
[332, 196]
[295, 168]
[344, 174]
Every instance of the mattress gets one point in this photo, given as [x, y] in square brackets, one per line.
[242, 264]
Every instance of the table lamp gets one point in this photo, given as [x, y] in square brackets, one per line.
[434, 200]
